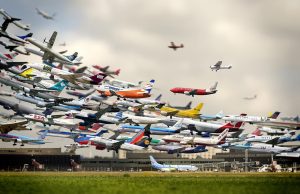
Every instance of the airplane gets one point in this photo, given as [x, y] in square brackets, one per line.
[276, 123]
[19, 108]
[106, 70]
[13, 48]
[200, 126]
[173, 148]
[190, 113]
[45, 15]
[17, 23]
[74, 78]
[132, 119]
[272, 131]
[128, 93]
[217, 116]
[23, 139]
[49, 53]
[296, 118]
[75, 60]
[90, 118]
[250, 119]
[123, 84]
[52, 120]
[128, 145]
[170, 168]
[146, 101]
[174, 47]
[262, 147]
[17, 125]
[71, 148]
[274, 139]
[195, 140]
[251, 98]
[12, 37]
[192, 92]
[219, 66]
[63, 44]
[294, 154]
[153, 130]
[187, 106]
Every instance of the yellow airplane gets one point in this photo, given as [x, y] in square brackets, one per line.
[190, 113]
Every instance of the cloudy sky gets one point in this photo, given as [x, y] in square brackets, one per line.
[260, 39]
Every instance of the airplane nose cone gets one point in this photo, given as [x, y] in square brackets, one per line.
[173, 90]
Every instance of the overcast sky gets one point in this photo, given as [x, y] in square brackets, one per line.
[260, 39]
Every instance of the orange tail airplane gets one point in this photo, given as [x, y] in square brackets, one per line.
[130, 93]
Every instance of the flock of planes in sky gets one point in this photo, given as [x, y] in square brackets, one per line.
[87, 102]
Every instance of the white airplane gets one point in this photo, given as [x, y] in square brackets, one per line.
[49, 54]
[51, 120]
[71, 148]
[262, 147]
[211, 127]
[74, 78]
[169, 168]
[17, 23]
[128, 118]
[273, 131]
[76, 60]
[195, 140]
[219, 66]
[245, 118]
[45, 15]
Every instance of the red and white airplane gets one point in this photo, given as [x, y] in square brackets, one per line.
[174, 47]
[192, 92]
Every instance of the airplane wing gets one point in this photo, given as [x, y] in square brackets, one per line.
[192, 92]
[10, 64]
[218, 64]
[48, 56]
[52, 40]
[7, 127]
[62, 52]
[113, 93]
[105, 68]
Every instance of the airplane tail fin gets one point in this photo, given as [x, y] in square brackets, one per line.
[189, 105]
[181, 45]
[149, 86]
[81, 69]
[101, 132]
[256, 132]
[102, 112]
[178, 124]
[239, 124]
[73, 56]
[274, 115]
[59, 86]
[220, 114]
[144, 142]
[198, 107]
[117, 72]
[43, 135]
[26, 36]
[96, 126]
[48, 112]
[153, 161]
[158, 97]
[98, 77]
[137, 137]
[214, 87]
[222, 135]
[119, 115]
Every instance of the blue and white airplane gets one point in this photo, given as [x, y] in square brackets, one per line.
[23, 139]
[170, 168]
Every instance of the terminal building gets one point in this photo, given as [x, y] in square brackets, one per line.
[52, 159]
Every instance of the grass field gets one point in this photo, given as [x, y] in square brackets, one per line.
[148, 182]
